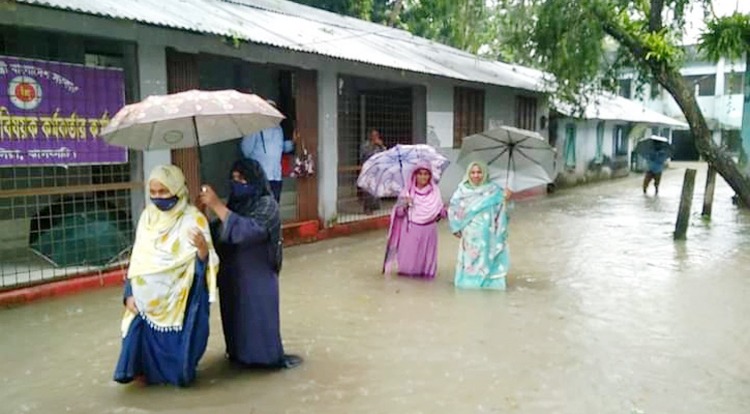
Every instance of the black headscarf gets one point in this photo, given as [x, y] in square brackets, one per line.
[259, 205]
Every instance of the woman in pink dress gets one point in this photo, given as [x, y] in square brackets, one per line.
[412, 237]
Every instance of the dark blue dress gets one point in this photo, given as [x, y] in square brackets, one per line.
[249, 293]
[167, 357]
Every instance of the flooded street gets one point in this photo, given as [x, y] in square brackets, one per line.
[604, 314]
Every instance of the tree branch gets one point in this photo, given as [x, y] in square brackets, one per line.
[395, 12]
[655, 20]
[668, 77]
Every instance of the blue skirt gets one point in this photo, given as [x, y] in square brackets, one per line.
[168, 357]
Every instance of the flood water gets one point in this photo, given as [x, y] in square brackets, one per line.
[604, 314]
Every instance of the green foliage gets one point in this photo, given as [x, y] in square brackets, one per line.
[589, 44]
[373, 10]
[726, 37]
[234, 40]
[470, 25]
[464, 24]
[662, 48]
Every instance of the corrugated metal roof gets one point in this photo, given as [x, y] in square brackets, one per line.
[608, 107]
[289, 25]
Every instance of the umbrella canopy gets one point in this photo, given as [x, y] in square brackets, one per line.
[79, 232]
[652, 144]
[385, 173]
[189, 119]
[518, 159]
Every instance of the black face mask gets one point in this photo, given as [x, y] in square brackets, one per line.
[165, 204]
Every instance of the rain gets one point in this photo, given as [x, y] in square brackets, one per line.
[604, 313]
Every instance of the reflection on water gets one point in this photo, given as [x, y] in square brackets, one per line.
[604, 314]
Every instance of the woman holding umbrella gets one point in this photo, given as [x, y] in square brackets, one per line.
[412, 237]
[171, 280]
[478, 217]
[249, 245]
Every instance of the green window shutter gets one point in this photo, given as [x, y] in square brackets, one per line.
[599, 157]
[570, 145]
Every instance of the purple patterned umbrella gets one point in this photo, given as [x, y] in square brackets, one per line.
[385, 173]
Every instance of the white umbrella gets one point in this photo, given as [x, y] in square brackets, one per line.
[189, 119]
[518, 159]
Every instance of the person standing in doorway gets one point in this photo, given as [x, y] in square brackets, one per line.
[656, 161]
[373, 146]
[267, 147]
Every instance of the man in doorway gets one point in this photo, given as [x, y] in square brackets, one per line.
[373, 146]
[267, 147]
[656, 160]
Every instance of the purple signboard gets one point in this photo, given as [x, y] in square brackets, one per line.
[51, 113]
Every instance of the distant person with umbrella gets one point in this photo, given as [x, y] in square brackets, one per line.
[656, 163]
[373, 146]
[170, 282]
[656, 151]
[413, 236]
[267, 147]
[478, 217]
[248, 240]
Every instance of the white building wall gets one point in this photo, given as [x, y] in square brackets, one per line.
[152, 80]
[586, 150]
[726, 109]
[328, 156]
[499, 107]
[440, 113]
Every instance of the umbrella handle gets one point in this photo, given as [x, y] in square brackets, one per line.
[202, 209]
[510, 158]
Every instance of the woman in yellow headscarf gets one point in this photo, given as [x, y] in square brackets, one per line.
[170, 282]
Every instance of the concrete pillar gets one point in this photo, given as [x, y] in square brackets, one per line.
[745, 131]
[720, 78]
[152, 80]
[328, 157]
[419, 115]
[440, 114]
[716, 136]
[499, 107]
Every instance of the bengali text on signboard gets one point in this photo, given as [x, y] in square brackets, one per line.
[52, 113]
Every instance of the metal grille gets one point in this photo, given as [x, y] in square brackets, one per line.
[49, 214]
[468, 113]
[364, 105]
[526, 113]
[60, 221]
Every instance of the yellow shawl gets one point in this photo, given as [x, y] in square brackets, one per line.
[162, 264]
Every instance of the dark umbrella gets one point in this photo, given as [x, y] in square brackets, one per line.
[652, 144]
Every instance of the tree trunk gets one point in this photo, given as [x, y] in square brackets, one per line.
[669, 77]
[395, 12]
[686, 203]
[708, 196]
[716, 157]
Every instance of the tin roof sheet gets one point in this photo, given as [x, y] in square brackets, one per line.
[292, 26]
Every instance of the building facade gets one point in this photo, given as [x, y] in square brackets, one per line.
[333, 77]
[719, 90]
[598, 144]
